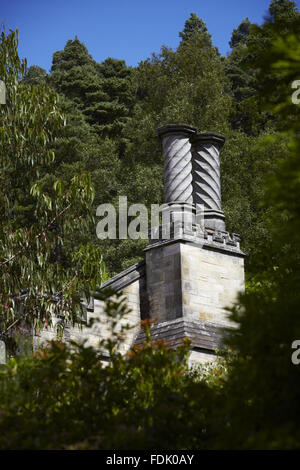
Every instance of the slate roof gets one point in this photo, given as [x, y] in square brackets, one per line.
[204, 336]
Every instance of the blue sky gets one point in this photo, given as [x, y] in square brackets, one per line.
[128, 29]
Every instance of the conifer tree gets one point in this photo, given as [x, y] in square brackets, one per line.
[102, 91]
[242, 69]
[240, 34]
[112, 113]
[74, 74]
[192, 27]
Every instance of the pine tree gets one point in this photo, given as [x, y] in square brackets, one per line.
[74, 74]
[192, 27]
[281, 10]
[240, 34]
[246, 115]
[242, 67]
[111, 114]
[102, 91]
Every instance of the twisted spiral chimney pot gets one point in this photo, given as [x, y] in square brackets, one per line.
[177, 156]
[206, 177]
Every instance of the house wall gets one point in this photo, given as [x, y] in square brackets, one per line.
[101, 329]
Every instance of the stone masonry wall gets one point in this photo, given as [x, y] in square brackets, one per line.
[163, 265]
[100, 329]
[211, 281]
[184, 280]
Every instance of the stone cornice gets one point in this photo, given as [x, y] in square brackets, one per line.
[208, 137]
[176, 129]
[126, 277]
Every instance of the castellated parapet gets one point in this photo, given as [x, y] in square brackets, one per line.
[187, 280]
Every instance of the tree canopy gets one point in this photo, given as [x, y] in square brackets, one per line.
[85, 134]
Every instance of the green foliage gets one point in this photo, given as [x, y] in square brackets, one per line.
[182, 83]
[281, 10]
[240, 34]
[185, 85]
[141, 401]
[242, 66]
[245, 163]
[101, 91]
[38, 275]
[35, 75]
[262, 389]
[194, 26]
[245, 114]
[148, 399]
[112, 113]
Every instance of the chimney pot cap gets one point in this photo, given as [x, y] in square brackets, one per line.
[176, 129]
[209, 137]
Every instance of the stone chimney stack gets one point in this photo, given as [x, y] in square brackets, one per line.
[192, 172]
[195, 270]
[192, 276]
